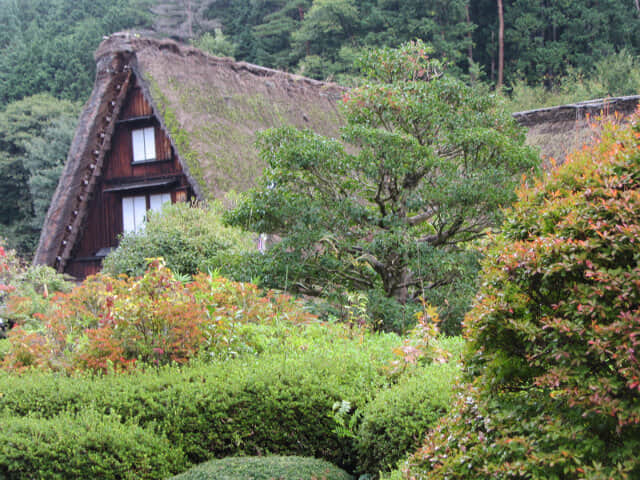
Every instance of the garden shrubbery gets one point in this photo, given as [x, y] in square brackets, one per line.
[273, 403]
[396, 421]
[554, 376]
[117, 322]
[25, 289]
[190, 240]
[265, 468]
[87, 445]
[205, 369]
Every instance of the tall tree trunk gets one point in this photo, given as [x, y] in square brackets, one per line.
[638, 5]
[500, 45]
[470, 47]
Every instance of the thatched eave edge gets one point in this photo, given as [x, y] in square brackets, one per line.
[577, 111]
[68, 209]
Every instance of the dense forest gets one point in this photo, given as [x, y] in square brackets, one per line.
[46, 66]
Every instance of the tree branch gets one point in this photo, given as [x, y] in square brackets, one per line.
[421, 217]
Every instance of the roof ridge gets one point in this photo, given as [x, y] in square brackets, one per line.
[131, 42]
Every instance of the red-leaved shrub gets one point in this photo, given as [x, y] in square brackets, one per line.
[554, 337]
[111, 323]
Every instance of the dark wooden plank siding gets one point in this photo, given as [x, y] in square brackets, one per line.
[135, 105]
[121, 155]
[103, 224]
[82, 269]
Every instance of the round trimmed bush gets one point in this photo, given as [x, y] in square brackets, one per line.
[265, 468]
[553, 365]
[191, 239]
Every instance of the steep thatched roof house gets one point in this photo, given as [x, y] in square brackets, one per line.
[166, 122]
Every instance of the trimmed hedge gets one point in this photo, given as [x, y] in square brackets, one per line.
[265, 468]
[89, 445]
[395, 423]
[277, 404]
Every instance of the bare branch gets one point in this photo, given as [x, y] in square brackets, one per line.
[421, 217]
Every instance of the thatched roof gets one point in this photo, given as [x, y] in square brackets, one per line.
[211, 109]
[557, 131]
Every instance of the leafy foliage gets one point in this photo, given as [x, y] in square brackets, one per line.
[435, 164]
[25, 291]
[277, 401]
[47, 45]
[613, 75]
[215, 44]
[116, 323]
[85, 445]
[395, 422]
[35, 134]
[265, 468]
[190, 240]
[554, 383]
[544, 40]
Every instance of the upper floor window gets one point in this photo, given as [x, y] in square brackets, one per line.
[144, 144]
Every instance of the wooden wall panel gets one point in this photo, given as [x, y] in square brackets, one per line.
[82, 269]
[119, 162]
[103, 224]
[135, 105]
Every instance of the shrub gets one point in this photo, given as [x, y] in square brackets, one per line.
[395, 422]
[554, 379]
[614, 75]
[114, 322]
[88, 445]
[265, 468]
[25, 290]
[190, 240]
[119, 322]
[276, 403]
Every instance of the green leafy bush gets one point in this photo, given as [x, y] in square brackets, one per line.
[265, 468]
[120, 322]
[88, 445]
[614, 75]
[190, 240]
[113, 322]
[554, 378]
[26, 290]
[276, 403]
[395, 422]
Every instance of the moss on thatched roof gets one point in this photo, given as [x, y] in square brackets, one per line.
[210, 107]
[213, 107]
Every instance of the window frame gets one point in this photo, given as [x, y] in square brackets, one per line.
[134, 211]
[147, 136]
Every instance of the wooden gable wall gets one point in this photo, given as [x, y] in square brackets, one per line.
[121, 177]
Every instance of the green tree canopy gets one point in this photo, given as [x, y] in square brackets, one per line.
[424, 167]
[48, 45]
[35, 134]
